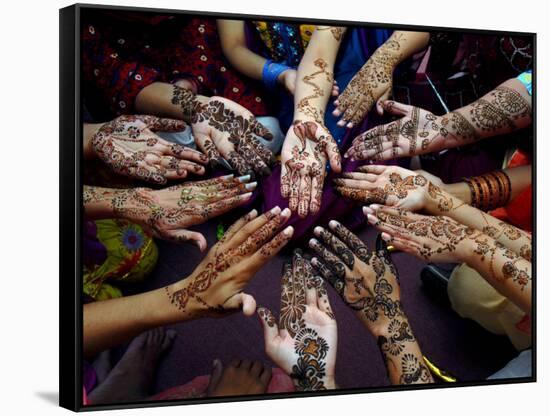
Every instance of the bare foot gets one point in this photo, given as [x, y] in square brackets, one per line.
[131, 379]
[239, 378]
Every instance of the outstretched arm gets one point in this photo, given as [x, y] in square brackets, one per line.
[167, 213]
[505, 109]
[215, 288]
[367, 282]
[308, 143]
[442, 239]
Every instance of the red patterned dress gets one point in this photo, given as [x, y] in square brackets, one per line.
[124, 52]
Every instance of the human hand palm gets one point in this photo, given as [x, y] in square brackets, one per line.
[225, 130]
[129, 146]
[417, 132]
[387, 185]
[306, 149]
[303, 342]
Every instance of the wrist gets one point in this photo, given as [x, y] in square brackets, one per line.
[379, 326]
[183, 306]
[459, 190]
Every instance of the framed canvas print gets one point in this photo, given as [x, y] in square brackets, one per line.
[255, 207]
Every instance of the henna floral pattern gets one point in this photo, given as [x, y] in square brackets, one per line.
[130, 148]
[304, 161]
[371, 81]
[221, 126]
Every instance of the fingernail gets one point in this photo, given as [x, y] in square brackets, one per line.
[374, 206]
[286, 213]
[367, 210]
[252, 214]
[275, 210]
[333, 224]
[247, 195]
[386, 237]
[226, 177]
[313, 242]
[251, 186]
[244, 178]
[314, 261]
[341, 124]
[349, 125]
[372, 219]
[288, 231]
[317, 230]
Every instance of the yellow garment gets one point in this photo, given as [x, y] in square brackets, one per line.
[472, 297]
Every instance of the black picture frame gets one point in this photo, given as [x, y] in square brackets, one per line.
[71, 211]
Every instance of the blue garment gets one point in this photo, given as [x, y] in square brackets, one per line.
[526, 79]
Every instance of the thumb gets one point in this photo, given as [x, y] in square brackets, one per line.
[244, 301]
[183, 236]
[331, 149]
[269, 323]
[383, 98]
[395, 108]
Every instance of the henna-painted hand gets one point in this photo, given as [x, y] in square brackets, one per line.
[392, 186]
[371, 85]
[434, 238]
[223, 128]
[304, 342]
[366, 280]
[306, 149]
[168, 212]
[216, 286]
[416, 133]
[129, 147]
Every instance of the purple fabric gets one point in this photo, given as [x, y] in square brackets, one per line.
[89, 377]
[93, 251]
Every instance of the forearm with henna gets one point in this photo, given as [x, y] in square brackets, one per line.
[508, 272]
[513, 238]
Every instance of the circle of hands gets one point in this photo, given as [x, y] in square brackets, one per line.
[303, 341]
[307, 146]
[417, 132]
[216, 286]
[226, 132]
[130, 147]
[166, 213]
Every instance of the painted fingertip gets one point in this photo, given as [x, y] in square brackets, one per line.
[288, 231]
[317, 230]
[276, 210]
[367, 211]
[244, 178]
[372, 219]
[286, 212]
[227, 177]
[251, 186]
[336, 112]
[313, 242]
[349, 125]
[341, 123]
[253, 214]
[333, 224]
[374, 207]
[386, 237]
[314, 261]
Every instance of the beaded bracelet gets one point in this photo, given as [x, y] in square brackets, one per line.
[271, 72]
